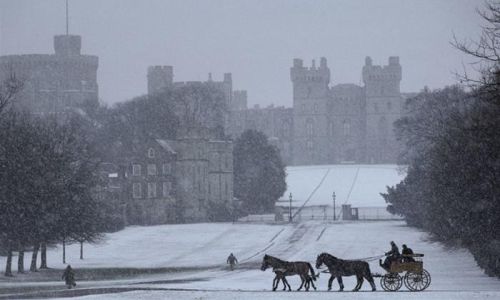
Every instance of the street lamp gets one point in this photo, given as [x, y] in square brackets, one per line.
[290, 209]
[333, 197]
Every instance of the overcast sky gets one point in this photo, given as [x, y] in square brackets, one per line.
[254, 40]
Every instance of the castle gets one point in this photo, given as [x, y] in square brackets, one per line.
[344, 123]
[52, 83]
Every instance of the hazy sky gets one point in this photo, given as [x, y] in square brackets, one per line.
[254, 40]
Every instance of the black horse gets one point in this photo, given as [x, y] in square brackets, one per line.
[339, 268]
[284, 268]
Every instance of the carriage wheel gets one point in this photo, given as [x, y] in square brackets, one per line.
[417, 281]
[391, 282]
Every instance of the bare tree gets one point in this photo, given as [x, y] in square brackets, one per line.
[8, 89]
[486, 50]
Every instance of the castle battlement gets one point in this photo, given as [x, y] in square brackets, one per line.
[299, 73]
[392, 71]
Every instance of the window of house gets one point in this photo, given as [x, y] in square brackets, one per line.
[136, 190]
[151, 153]
[152, 169]
[136, 170]
[167, 169]
[389, 105]
[151, 189]
[167, 187]
[331, 129]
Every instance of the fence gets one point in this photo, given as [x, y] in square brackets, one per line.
[324, 213]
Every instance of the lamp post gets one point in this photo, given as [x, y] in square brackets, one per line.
[290, 209]
[333, 197]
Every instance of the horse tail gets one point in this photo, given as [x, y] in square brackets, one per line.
[312, 271]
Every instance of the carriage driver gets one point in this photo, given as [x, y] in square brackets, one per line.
[392, 255]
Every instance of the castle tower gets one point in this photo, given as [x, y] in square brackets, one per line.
[55, 83]
[159, 77]
[310, 97]
[383, 108]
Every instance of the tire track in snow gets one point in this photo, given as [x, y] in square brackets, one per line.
[321, 234]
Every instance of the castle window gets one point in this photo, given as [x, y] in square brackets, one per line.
[136, 170]
[151, 153]
[310, 127]
[309, 91]
[389, 105]
[226, 189]
[315, 108]
[347, 128]
[151, 189]
[136, 190]
[309, 145]
[167, 187]
[152, 169]
[303, 108]
[331, 129]
[375, 107]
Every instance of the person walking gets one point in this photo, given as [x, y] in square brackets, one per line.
[69, 277]
[232, 260]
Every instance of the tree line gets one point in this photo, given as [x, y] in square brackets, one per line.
[452, 139]
[48, 176]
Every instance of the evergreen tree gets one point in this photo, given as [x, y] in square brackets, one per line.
[259, 173]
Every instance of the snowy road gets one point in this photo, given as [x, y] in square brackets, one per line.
[199, 270]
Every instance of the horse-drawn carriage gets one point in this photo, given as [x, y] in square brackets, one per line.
[415, 279]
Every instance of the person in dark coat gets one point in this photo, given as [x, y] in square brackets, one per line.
[406, 253]
[69, 277]
[231, 260]
[391, 256]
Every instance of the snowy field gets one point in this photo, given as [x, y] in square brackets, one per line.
[358, 185]
[189, 261]
[204, 248]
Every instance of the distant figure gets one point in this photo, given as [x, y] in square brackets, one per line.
[231, 260]
[392, 255]
[69, 277]
[407, 254]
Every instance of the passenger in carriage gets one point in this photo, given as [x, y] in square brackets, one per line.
[391, 256]
[407, 254]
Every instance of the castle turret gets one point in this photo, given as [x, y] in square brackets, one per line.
[383, 108]
[382, 80]
[159, 77]
[310, 96]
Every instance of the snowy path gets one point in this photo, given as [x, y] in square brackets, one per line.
[198, 251]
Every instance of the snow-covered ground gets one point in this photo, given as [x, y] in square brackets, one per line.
[358, 185]
[206, 246]
[193, 256]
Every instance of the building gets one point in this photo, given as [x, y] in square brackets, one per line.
[54, 82]
[343, 123]
[189, 178]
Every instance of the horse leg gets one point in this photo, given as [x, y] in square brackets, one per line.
[288, 284]
[330, 281]
[369, 277]
[307, 285]
[302, 282]
[359, 283]
[276, 281]
[341, 284]
[311, 281]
